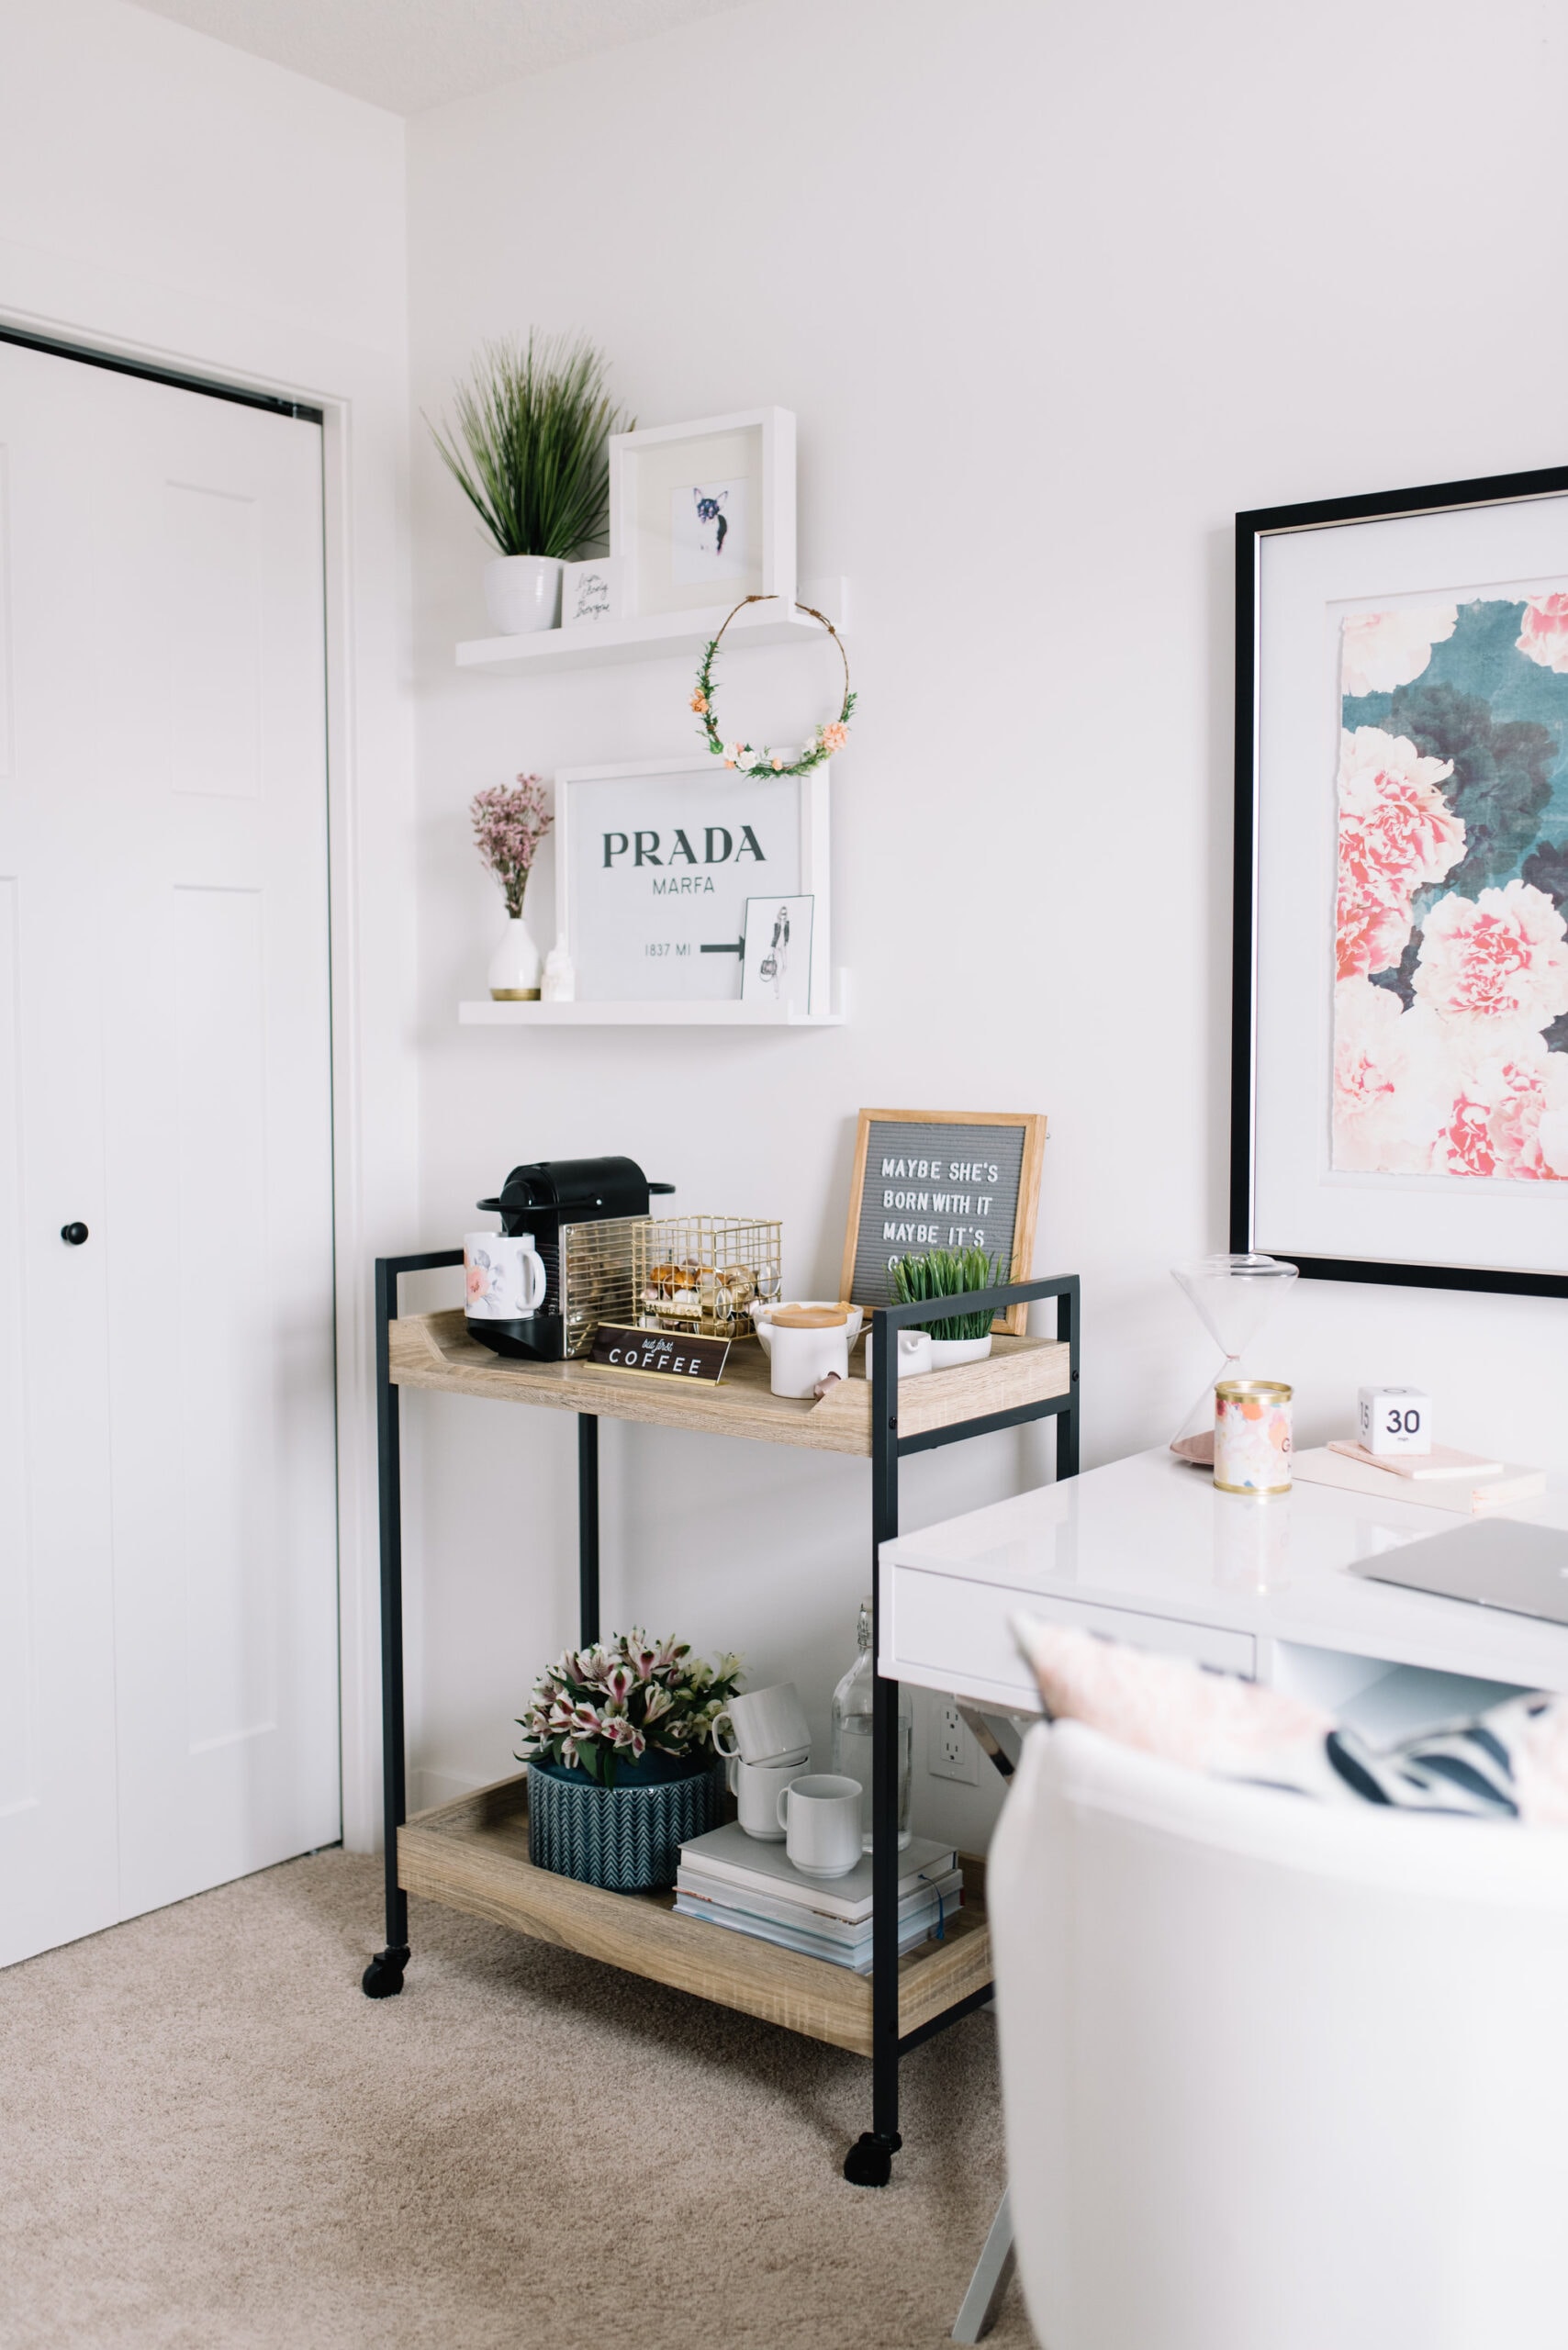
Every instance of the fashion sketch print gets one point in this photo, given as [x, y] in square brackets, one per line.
[1450, 1010]
[774, 964]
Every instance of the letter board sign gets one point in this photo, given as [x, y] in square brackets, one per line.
[942, 1179]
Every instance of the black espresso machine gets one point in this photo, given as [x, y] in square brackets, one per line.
[581, 1213]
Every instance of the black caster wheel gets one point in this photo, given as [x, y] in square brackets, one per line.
[382, 1978]
[870, 2161]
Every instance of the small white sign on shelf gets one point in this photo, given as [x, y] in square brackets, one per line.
[593, 591]
[655, 863]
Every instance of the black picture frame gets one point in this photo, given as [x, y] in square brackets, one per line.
[1252, 529]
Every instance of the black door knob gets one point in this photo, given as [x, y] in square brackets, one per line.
[74, 1234]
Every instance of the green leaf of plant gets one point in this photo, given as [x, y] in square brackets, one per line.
[529, 450]
[947, 1272]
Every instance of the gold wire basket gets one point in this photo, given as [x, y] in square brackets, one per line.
[590, 1278]
[700, 1274]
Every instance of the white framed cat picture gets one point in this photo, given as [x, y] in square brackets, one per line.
[703, 514]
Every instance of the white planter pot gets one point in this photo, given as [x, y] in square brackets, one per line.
[522, 593]
[948, 1353]
[514, 967]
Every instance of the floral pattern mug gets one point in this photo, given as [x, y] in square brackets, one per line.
[504, 1277]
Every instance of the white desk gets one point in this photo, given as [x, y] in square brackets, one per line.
[1148, 1552]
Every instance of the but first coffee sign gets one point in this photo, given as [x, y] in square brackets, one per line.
[942, 1179]
[658, 1354]
[654, 864]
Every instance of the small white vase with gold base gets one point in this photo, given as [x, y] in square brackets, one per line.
[515, 965]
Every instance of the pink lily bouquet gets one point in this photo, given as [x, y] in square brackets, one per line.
[510, 820]
[616, 1702]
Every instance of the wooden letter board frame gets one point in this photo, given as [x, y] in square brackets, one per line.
[1020, 1265]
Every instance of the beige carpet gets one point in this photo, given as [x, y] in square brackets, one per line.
[208, 2138]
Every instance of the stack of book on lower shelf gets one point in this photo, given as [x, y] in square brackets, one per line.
[732, 1879]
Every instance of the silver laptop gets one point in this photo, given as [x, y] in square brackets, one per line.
[1495, 1561]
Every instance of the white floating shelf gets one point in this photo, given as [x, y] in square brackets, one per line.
[658, 636]
[722, 1013]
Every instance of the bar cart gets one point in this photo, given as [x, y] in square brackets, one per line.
[473, 1854]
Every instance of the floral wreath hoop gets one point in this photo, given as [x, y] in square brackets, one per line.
[822, 742]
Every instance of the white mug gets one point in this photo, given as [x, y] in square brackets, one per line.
[756, 1787]
[766, 1726]
[821, 1818]
[912, 1354]
[504, 1276]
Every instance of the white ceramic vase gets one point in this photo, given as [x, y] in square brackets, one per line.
[522, 593]
[514, 965]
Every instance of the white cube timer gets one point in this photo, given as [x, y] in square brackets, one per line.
[1395, 1419]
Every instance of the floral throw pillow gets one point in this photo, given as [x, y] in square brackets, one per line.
[1510, 1762]
[1181, 1711]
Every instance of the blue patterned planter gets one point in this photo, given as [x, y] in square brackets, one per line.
[626, 1838]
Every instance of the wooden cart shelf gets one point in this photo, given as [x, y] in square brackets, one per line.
[473, 1855]
[434, 1351]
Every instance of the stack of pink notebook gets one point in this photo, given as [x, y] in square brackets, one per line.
[1442, 1479]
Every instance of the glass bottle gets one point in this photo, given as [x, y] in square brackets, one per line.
[852, 1702]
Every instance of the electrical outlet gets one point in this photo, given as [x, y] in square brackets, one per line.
[952, 1754]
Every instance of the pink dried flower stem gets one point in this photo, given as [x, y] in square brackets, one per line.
[510, 820]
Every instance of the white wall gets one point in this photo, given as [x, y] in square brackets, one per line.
[1053, 291]
[164, 195]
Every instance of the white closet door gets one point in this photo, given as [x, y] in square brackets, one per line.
[189, 824]
[58, 1831]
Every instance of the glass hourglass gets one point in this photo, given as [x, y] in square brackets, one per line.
[1232, 1297]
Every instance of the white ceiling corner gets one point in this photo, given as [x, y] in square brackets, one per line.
[407, 55]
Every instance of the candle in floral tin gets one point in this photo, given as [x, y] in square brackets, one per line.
[1252, 1436]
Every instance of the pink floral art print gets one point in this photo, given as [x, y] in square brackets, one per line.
[1450, 1003]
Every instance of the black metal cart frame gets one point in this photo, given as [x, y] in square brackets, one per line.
[870, 2161]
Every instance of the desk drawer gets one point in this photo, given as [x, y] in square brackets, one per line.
[950, 1633]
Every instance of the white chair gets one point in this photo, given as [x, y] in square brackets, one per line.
[1277, 2076]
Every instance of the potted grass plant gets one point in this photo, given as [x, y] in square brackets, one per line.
[949, 1273]
[529, 453]
[621, 1765]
